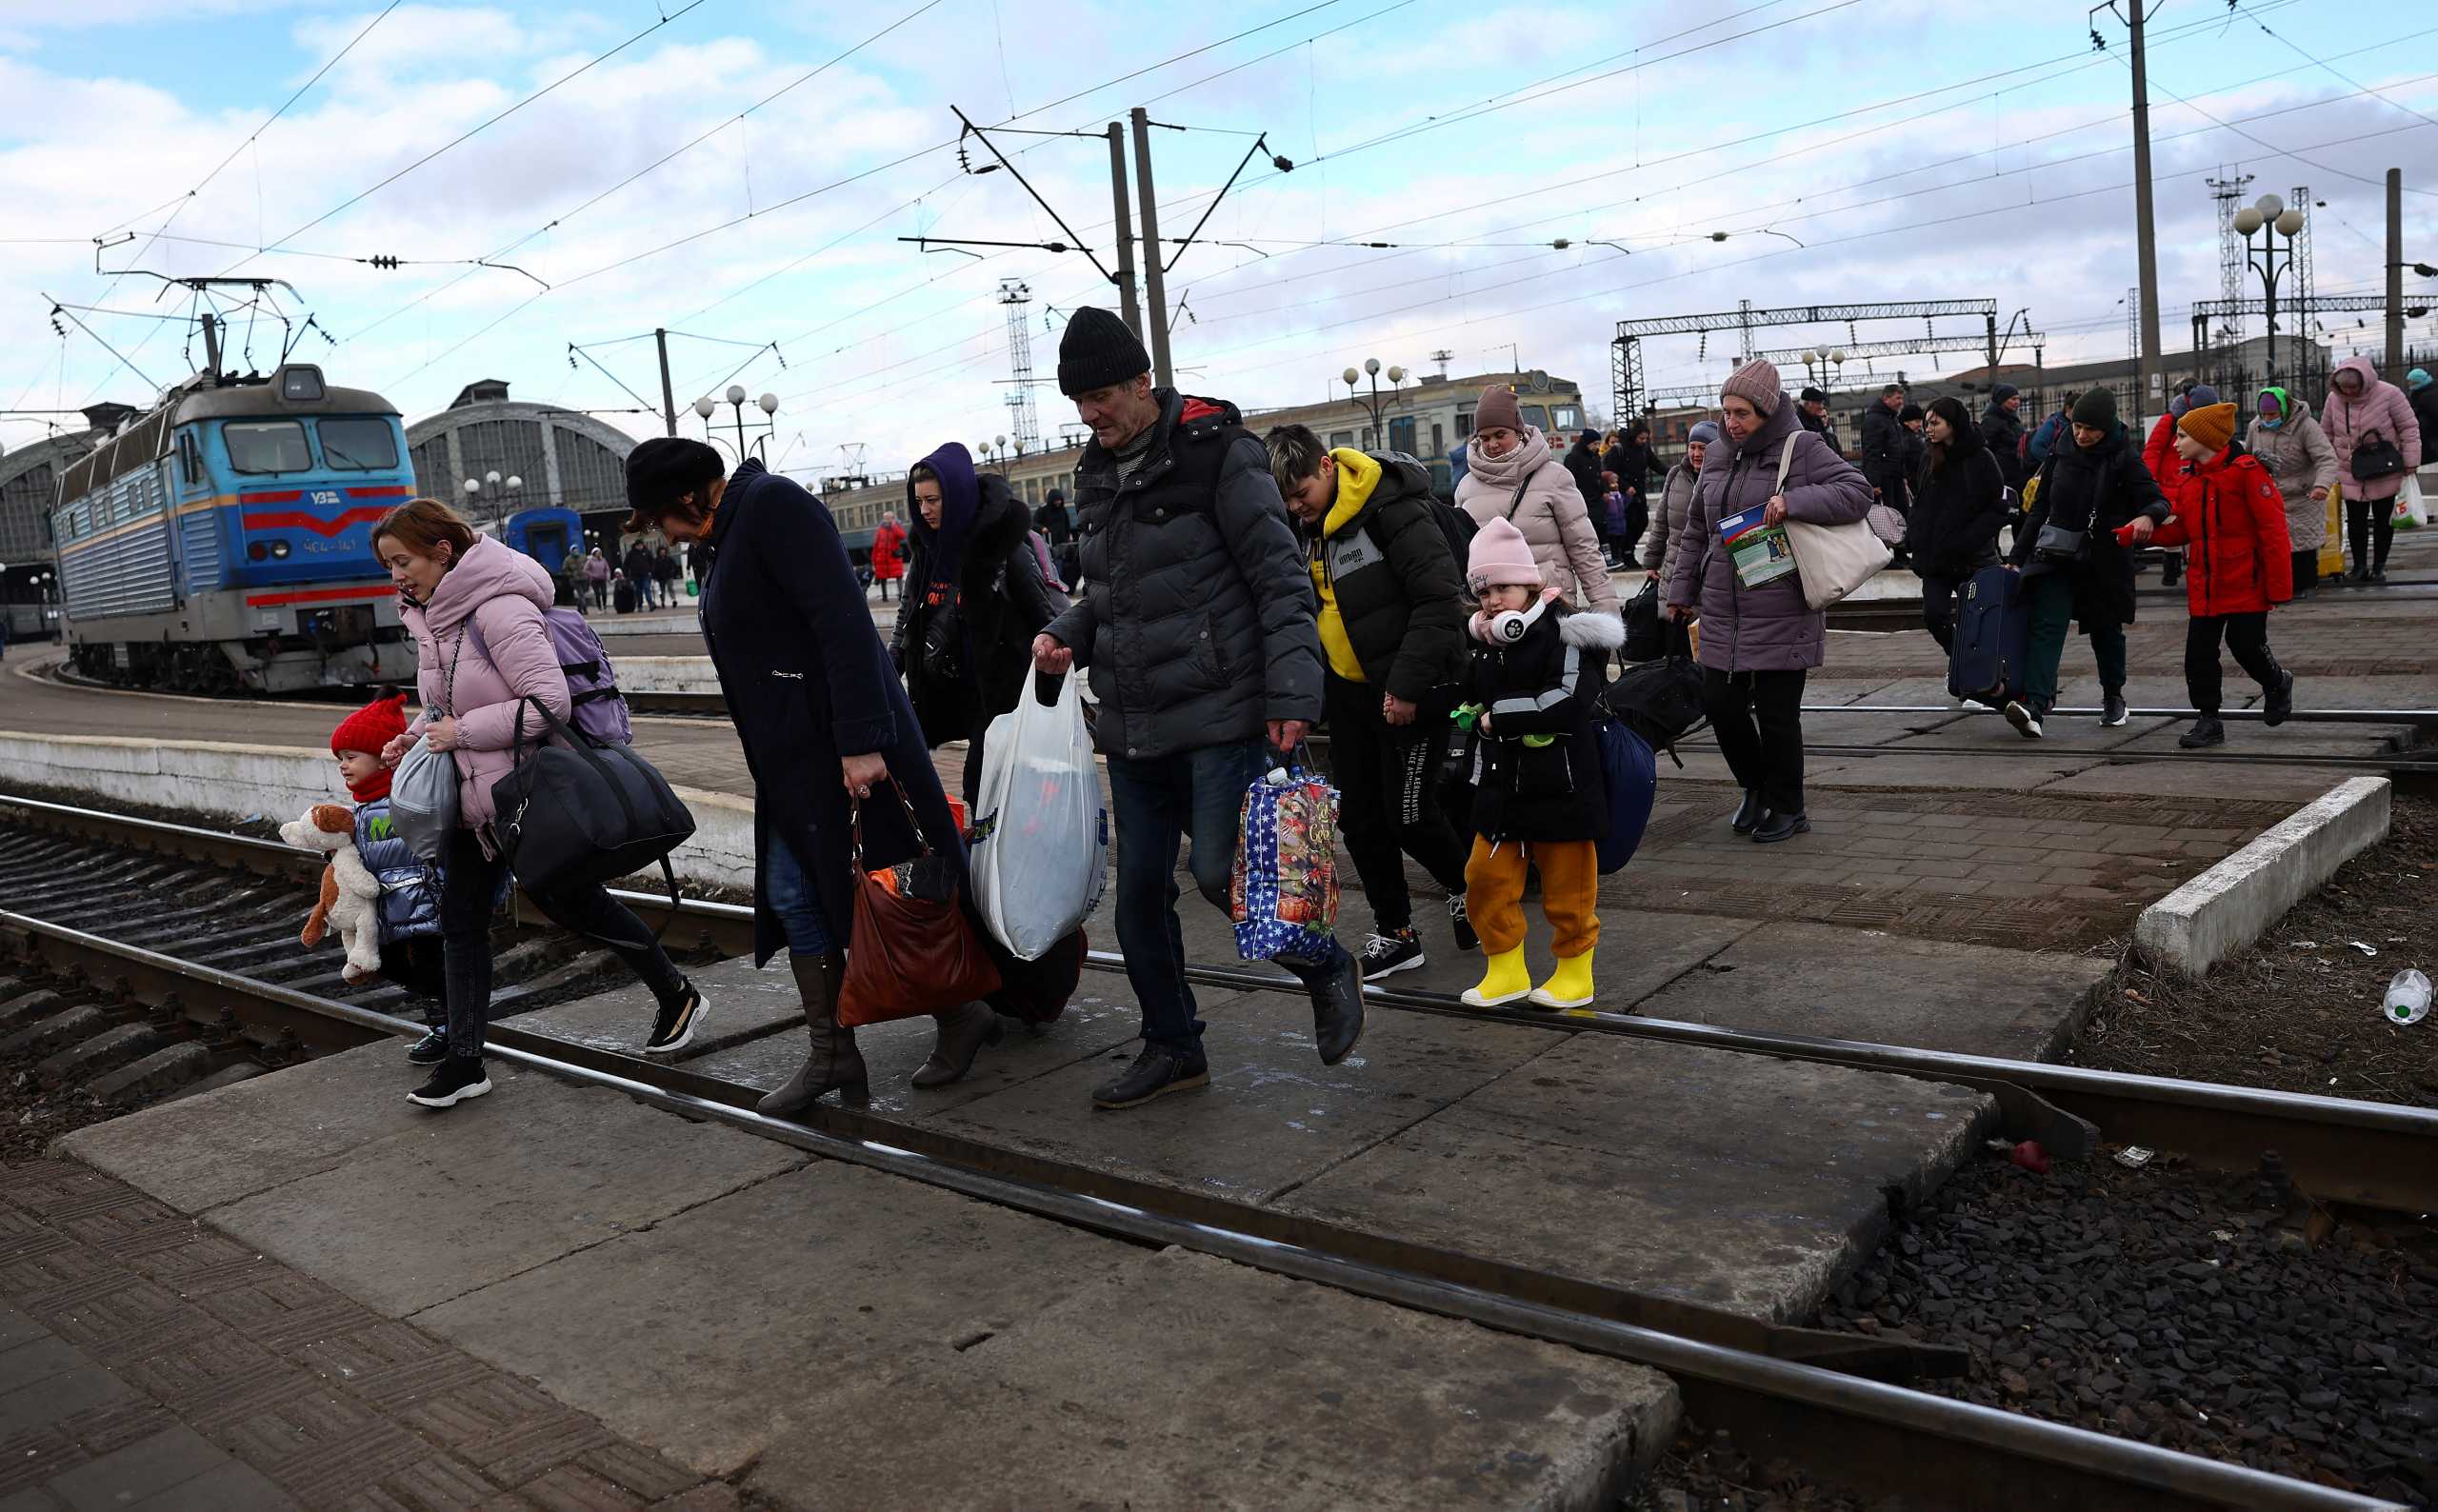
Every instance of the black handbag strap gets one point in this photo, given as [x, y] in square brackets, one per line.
[855, 827]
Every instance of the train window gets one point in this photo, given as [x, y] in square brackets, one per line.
[1464, 424]
[1536, 416]
[1566, 417]
[267, 446]
[189, 459]
[358, 446]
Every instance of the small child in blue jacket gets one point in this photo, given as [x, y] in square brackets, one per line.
[409, 911]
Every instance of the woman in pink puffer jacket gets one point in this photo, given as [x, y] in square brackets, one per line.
[2360, 402]
[451, 581]
[1522, 483]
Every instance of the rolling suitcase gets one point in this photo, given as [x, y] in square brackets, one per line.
[1992, 629]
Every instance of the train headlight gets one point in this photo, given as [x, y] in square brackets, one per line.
[257, 551]
[279, 549]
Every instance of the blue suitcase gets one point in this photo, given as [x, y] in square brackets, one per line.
[1992, 634]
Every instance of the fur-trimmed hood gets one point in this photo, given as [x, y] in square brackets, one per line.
[1591, 629]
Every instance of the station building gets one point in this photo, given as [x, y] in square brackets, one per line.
[561, 458]
[28, 488]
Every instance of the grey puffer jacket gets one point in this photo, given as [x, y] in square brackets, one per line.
[1769, 629]
[1197, 616]
[2299, 459]
[1675, 503]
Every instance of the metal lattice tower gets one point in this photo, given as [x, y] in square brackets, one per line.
[2228, 192]
[1021, 422]
[2303, 296]
[2133, 325]
[1625, 352]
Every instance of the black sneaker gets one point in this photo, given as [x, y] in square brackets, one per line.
[1780, 827]
[2027, 724]
[674, 1027]
[2280, 703]
[2206, 730]
[459, 1078]
[1461, 920]
[1155, 1072]
[2112, 711]
[1386, 954]
[432, 1049]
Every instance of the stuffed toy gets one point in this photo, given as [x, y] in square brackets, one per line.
[350, 894]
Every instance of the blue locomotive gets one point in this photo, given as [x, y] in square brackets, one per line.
[222, 542]
[546, 534]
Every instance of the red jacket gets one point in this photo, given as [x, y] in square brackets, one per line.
[2230, 515]
[889, 552]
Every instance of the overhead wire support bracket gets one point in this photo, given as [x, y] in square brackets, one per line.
[1017, 174]
[1208, 211]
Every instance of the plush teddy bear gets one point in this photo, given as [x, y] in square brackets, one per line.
[349, 892]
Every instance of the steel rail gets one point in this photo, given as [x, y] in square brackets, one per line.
[2400, 762]
[2343, 1149]
[2300, 716]
[1969, 1455]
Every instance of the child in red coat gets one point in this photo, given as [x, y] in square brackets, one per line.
[2239, 561]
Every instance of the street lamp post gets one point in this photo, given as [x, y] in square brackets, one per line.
[768, 404]
[2270, 217]
[1816, 364]
[1396, 381]
[502, 491]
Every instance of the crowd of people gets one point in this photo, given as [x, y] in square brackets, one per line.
[644, 577]
[1225, 593]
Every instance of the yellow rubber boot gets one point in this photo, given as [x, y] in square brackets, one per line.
[1569, 985]
[1508, 980]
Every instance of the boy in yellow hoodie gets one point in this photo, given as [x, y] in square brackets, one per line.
[1392, 629]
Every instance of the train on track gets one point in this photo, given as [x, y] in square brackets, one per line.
[223, 541]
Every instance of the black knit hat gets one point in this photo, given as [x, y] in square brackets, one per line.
[2095, 408]
[1098, 351]
[660, 470]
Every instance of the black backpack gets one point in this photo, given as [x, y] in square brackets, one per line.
[1659, 700]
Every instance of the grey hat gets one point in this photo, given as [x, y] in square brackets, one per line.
[1704, 432]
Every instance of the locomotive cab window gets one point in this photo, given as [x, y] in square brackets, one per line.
[267, 446]
[358, 446]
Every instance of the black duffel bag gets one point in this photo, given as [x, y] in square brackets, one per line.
[1659, 700]
[584, 812]
[1645, 627]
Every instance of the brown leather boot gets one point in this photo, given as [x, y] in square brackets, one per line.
[834, 1062]
[962, 1033]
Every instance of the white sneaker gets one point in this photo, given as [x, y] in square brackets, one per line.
[2027, 724]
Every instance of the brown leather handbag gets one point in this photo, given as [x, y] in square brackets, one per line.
[912, 950]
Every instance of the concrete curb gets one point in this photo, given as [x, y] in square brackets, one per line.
[2237, 901]
[216, 777]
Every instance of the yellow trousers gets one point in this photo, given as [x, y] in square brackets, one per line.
[1570, 893]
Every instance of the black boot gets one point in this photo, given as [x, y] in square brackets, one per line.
[2207, 730]
[2280, 701]
[1780, 827]
[834, 1062]
[1750, 814]
[1336, 986]
[962, 1033]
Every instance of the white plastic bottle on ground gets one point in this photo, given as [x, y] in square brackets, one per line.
[2408, 1000]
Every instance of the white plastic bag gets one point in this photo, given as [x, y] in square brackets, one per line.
[423, 800]
[2411, 514]
[1039, 851]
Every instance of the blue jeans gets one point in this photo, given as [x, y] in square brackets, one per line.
[796, 901]
[1158, 804]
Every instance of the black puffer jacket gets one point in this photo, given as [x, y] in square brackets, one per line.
[1583, 466]
[1394, 579]
[966, 658]
[2096, 490]
[1883, 447]
[2001, 432]
[1958, 506]
[1541, 685]
[1196, 622]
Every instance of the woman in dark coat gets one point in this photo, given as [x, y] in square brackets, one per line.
[2092, 484]
[1959, 503]
[825, 728]
[974, 600]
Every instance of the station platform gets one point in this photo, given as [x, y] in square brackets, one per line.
[681, 1305]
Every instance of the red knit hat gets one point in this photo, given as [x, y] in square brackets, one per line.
[372, 727]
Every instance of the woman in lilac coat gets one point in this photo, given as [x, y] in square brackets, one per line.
[1758, 643]
[453, 583]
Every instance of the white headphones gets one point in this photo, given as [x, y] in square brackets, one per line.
[1509, 626]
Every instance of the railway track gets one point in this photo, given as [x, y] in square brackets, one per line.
[1820, 1398]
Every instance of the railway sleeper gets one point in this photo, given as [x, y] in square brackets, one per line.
[101, 1053]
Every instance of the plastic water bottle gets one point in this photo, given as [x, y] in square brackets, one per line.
[2408, 1000]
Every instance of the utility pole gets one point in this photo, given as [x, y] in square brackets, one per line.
[2395, 284]
[2146, 229]
[1154, 289]
[1124, 224]
[668, 395]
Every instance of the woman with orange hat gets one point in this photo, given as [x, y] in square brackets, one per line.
[2231, 517]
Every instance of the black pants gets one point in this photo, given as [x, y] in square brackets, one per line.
[1386, 807]
[469, 888]
[2246, 635]
[1938, 609]
[415, 963]
[1759, 719]
[2306, 571]
[2370, 525]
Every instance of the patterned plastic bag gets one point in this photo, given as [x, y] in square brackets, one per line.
[1284, 895]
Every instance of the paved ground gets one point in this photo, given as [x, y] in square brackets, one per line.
[813, 1333]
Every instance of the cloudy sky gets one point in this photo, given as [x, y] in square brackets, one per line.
[743, 170]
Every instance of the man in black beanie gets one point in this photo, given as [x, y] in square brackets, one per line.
[1196, 622]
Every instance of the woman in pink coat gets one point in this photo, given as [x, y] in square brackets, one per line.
[451, 583]
[2360, 405]
[1510, 475]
